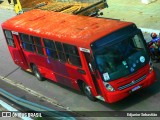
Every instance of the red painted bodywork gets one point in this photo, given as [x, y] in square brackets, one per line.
[76, 30]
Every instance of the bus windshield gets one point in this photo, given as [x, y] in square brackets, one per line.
[122, 58]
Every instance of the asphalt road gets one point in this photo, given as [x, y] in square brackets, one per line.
[145, 100]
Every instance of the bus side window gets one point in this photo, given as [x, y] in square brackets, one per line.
[9, 38]
[37, 44]
[72, 55]
[27, 43]
[60, 51]
[50, 48]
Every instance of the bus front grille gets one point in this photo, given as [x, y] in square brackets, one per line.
[133, 82]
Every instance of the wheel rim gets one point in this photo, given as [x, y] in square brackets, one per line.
[36, 73]
[87, 90]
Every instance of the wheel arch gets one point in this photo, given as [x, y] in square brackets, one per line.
[80, 84]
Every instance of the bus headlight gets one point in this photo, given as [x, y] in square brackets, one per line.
[109, 87]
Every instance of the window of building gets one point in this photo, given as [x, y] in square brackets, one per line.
[9, 38]
[72, 55]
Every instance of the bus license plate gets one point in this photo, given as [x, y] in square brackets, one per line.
[136, 88]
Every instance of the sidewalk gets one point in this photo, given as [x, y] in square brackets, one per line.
[144, 15]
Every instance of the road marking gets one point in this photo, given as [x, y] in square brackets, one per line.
[34, 93]
[12, 109]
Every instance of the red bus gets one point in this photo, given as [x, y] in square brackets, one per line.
[106, 59]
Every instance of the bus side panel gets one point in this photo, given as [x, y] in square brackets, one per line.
[58, 67]
[16, 56]
[75, 75]
[60, 72]
[41, 62]
[49, 68]
[81, 73]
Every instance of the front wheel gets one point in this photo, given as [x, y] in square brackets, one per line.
[37, 73]
[87, 92]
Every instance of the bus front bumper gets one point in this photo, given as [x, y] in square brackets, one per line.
[115, 96]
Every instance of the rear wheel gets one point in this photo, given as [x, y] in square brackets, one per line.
[37, 73]
[88, 92]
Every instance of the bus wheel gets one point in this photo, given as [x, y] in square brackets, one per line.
[37, 73]
[87, 92]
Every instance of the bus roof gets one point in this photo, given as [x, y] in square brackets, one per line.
[72, 29]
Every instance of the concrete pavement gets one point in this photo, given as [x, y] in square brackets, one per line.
[144, 15]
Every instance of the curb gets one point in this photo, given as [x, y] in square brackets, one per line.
[6, 7]
[146, 30]
[48, 112]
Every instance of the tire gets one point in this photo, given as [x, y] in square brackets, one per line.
[87, 92]
[37, 73]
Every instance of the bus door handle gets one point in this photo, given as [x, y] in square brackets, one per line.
[81, 71]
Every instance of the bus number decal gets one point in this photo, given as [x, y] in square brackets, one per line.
[14, 33]
[84, 50]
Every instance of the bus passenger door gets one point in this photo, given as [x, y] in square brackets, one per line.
[93, 73]
[17, 53]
